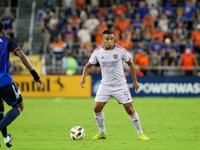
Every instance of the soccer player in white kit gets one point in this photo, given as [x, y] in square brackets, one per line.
[111, 58]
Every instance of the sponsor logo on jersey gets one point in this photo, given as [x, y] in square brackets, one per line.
[115, 56]
[1, 40]
[109, 64]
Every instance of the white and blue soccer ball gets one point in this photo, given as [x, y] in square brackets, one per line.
[77, 133]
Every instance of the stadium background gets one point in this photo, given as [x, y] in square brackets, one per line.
[168, 99]
[155, 33]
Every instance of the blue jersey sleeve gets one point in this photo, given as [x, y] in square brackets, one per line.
[13, 46]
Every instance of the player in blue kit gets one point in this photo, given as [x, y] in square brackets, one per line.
[8, 90]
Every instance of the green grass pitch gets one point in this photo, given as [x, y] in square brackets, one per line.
[45, 123]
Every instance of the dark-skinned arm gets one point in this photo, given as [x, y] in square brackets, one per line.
[133, 74]
[28, 65]
[86, 70]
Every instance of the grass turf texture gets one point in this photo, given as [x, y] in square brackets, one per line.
[170, 123]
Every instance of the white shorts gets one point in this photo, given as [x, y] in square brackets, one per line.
[121, 93]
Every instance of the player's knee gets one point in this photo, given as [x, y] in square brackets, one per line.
[129, 110]
[97, 109]
[19, 105]
[21, 108]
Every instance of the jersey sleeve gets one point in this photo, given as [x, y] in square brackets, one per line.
[93, 59]
[13, 46]
[126, 56]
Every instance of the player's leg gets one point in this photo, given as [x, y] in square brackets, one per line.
[99, 116]
[19, 106]
[133, 117]
[123, 96]
[9, 118]
[4, 130]
[135, 120]
[101, 99]
[98, 106]
[12, 96]
[11, 115]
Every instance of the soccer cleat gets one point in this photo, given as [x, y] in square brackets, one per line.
[143, 137]
[99, 136]
[8, 140]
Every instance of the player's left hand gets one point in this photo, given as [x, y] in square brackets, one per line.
[40, 83]
[82, 82]
[136, 85]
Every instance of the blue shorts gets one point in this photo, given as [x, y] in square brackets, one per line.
[11, 95]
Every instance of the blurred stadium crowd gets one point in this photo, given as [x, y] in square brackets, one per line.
[155, 33]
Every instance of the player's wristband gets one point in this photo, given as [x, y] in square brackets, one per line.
[35, 75]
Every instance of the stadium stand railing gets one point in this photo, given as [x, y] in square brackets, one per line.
[53, 69]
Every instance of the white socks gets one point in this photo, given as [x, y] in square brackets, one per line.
[6, 140]
[136, 122]
[99, 117]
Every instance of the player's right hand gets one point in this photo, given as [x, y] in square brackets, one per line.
[136, 85]
[82, 82]
[41, 83]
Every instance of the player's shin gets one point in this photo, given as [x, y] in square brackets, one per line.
[9, 117]
[99, 117]
[4, 130]
[136, 122]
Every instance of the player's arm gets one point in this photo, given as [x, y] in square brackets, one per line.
[133, 74]
[24, 60]
[86, 70]
[28, 65]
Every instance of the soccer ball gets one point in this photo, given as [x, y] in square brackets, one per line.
[77, 133]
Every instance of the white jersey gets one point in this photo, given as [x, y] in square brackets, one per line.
[111, 62]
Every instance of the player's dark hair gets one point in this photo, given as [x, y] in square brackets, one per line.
[107, 32]
[1, 26]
